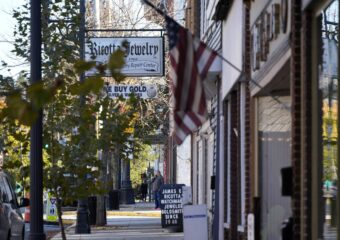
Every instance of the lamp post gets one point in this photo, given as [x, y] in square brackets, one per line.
[127, 194]
[36, 169]
[82, 223]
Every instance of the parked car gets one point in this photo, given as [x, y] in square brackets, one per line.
[12, 224]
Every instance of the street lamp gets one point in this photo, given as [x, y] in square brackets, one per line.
[82, 224]
[36, 168]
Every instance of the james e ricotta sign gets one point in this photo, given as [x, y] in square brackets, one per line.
[171, 206]
[144, 55]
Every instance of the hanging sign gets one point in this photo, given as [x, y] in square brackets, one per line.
[171, 206]
[141, 91]
[144, 55]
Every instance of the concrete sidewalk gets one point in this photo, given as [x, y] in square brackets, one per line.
[135, 221]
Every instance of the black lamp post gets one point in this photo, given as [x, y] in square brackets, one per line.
[36, 169]
[82, 224]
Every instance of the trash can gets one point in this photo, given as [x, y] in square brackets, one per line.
[92, 205]
[114, 200]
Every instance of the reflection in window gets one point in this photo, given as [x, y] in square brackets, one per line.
[328, 84]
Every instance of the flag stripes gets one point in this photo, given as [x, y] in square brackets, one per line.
[190, 60]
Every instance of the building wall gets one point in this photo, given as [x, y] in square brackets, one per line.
[183, 173]
[274, 130]
[232, 137]
[232, 46]
[282, 112]
[271, 117]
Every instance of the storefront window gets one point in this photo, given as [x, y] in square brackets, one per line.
[328, 85]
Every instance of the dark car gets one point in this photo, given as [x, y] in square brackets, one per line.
[12, 224]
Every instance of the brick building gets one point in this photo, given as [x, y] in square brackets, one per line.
[272, 139]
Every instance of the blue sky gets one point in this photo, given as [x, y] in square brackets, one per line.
[6, 34]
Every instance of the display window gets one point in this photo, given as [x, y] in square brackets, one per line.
[328, 63]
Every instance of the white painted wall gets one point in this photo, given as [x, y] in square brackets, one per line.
[232, 46]
[183, 168]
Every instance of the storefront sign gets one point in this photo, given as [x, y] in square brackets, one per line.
[266, 29]
[171, 206]
[144, 55]
[141, 91]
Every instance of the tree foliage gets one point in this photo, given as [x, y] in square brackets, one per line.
[140, 164]
[72, 109]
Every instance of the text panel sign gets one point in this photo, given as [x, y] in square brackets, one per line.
[141, 91]
[171, 205]
[144, 55]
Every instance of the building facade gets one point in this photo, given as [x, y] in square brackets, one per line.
[272, 140]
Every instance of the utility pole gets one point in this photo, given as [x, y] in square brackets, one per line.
[82, 224]
[36, 168]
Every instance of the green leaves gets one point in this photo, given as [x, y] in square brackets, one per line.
[116, 63]
[93, 84]
[39, 95]
[82, 66]
[20, 109]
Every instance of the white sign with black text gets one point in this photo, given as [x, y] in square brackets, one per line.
[141, 91]
[143, 55]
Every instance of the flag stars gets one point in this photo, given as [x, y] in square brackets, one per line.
[172, 29]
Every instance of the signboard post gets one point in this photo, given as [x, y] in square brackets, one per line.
[171, 206]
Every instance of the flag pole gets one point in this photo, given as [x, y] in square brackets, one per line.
[156, 8]
[222, 58]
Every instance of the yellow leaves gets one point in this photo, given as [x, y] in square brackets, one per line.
[25, 105]
[129, 130]
[2, 103]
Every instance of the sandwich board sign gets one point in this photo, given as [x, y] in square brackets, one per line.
[51, 209]
[171, 206]
[195, 222]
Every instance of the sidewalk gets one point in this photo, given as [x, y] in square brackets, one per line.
[135, 221]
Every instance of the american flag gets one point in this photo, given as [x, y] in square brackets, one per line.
[190, 60]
